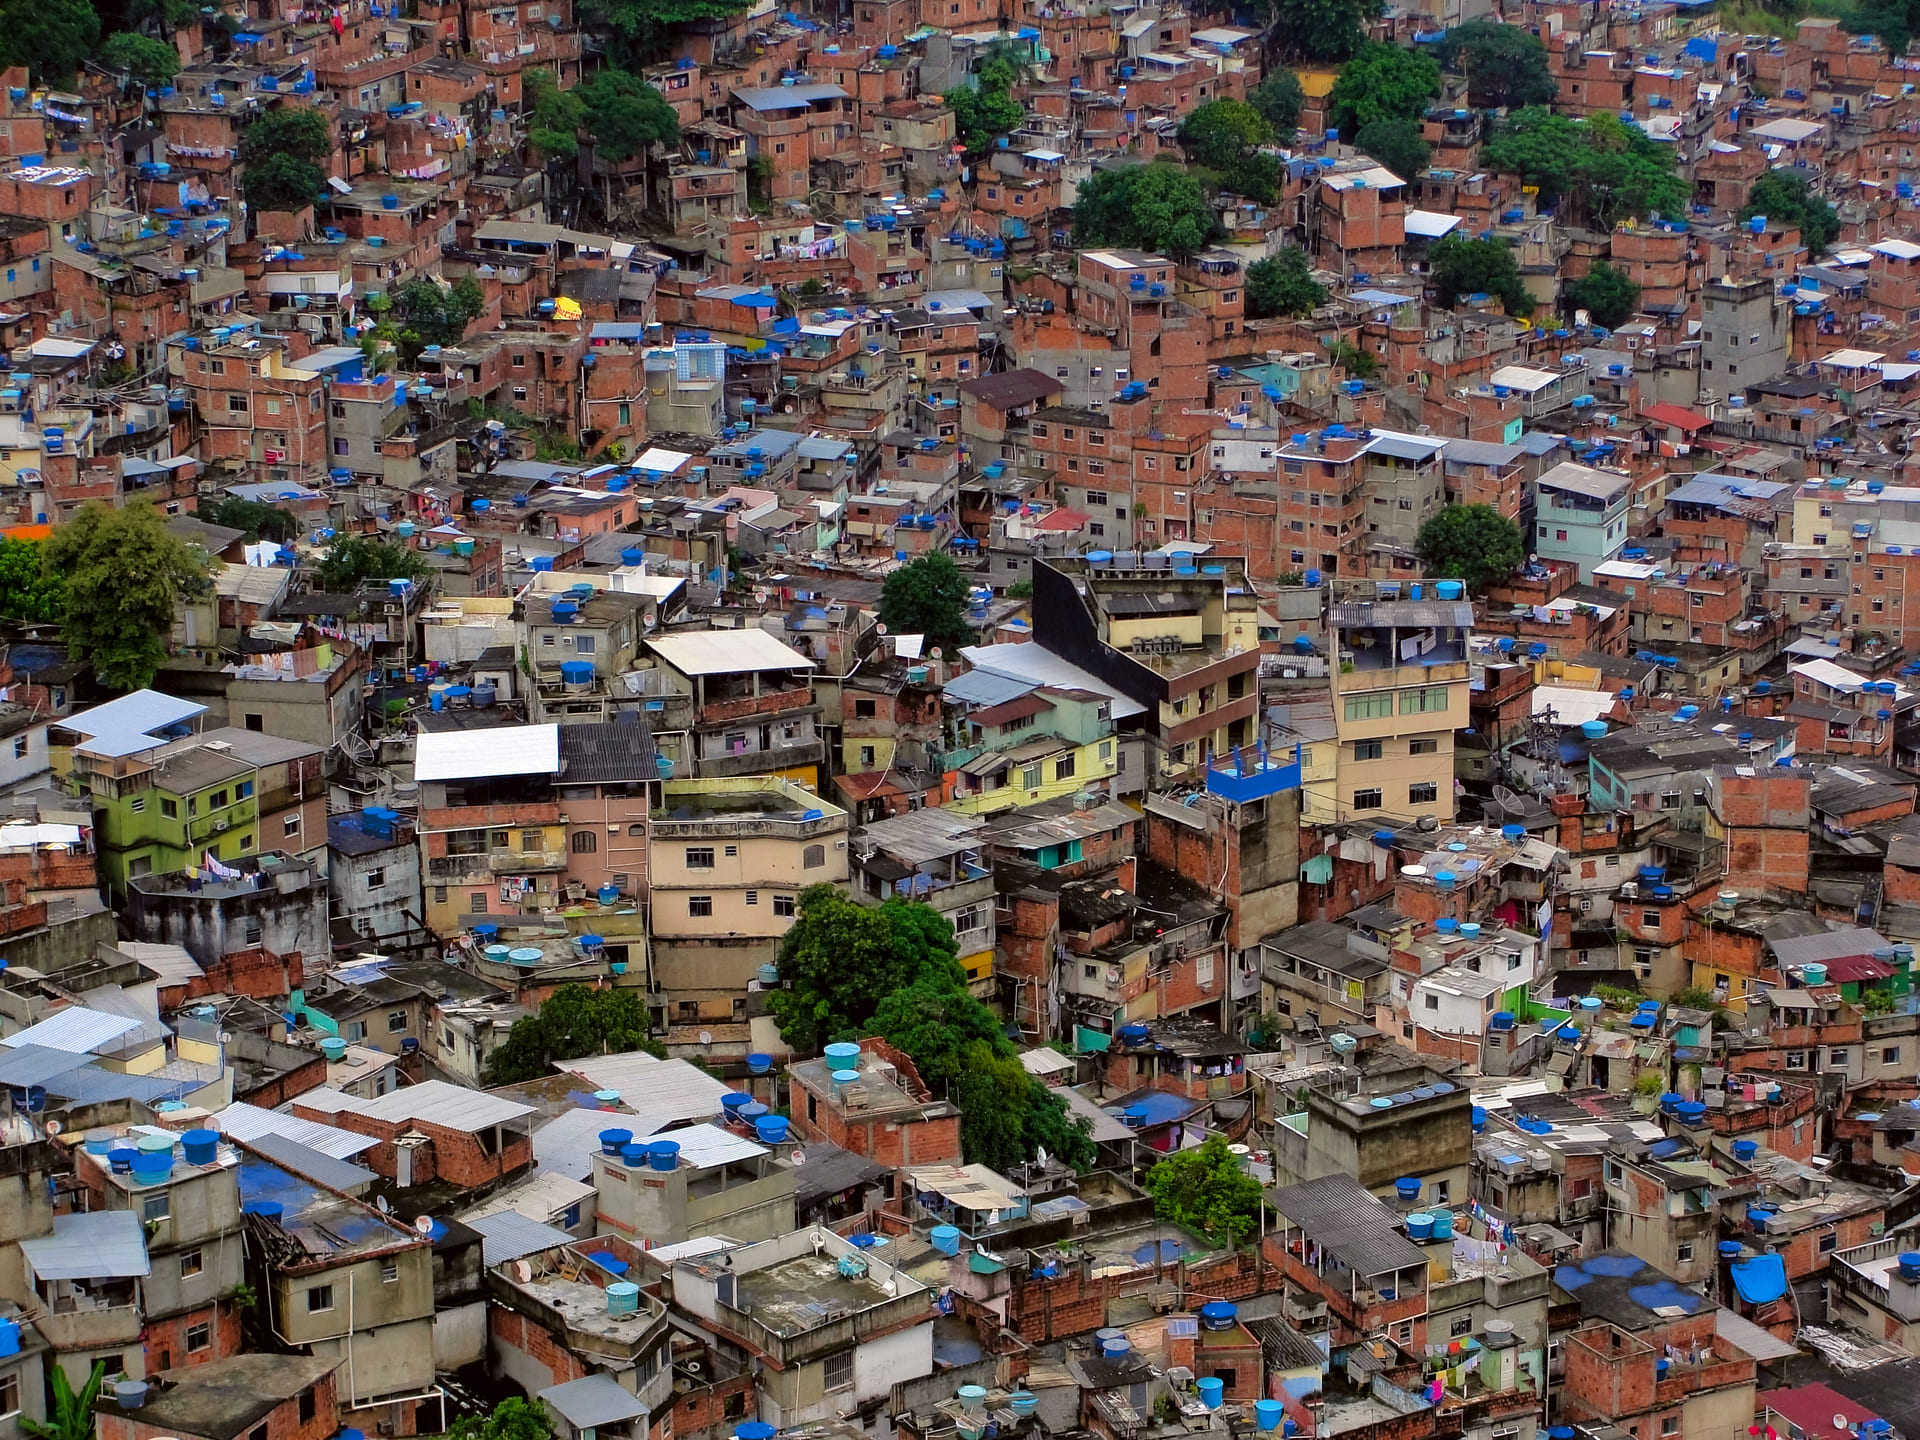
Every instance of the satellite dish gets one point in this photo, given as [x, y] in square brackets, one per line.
[54, 1127]
[522, 1271]
[380, 1204]
[706, 1037]
[799, 1156]
[1840, 1422]
[880, 629]
[424, 1225]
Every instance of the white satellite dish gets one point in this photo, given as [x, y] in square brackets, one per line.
[54, 1127]
[424, 1225]
[380, 1204]
[799, 1156]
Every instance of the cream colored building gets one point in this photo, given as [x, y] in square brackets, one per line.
[727, 860]
[1400, 692]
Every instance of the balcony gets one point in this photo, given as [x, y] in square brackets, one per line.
[767, 702]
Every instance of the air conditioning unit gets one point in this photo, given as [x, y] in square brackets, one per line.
[219, 825]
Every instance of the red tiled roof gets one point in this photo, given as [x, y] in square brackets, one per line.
[1811, 1409]
[1857, 967]
[1062, 520]
[1011, 710]
[1677, 416]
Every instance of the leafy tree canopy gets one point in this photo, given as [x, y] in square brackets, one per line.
[124, 573]
[575, 1021]
[283, 151]
[255, 518]
[1603, 169]
[986, 110]
[1208, 1191]
[1382, 82]
[50, 37]
[1279, 99]
[1462, 265]
[1474, 543]
[514, 1419]
[927, 596]
[1283, 284]
[28, 589]
[151, 62]
[624, 114]
[1319, 32]
[642, 30]
[1784, 195]
[553, 126]
[891, 970]
[429, 312]
[1606, 294]
[1505, 66]
[1396, 144]
[1225, 136]
[354, 558]
[1157, 207]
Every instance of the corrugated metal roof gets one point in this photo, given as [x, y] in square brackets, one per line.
[433, 1102]
[594, 1401]
[1350, 1221]
[36, 1064]
[77, 1030]
[704, 1146]
[508, 1235]
[1103, 1128]
[311, 1164]
[92, 1245]
[787, 97]
[249, 1122]
[1028, 661]
[475, 754]
[171, 963]
[1403, 613]
[131, 720]
[726, 652]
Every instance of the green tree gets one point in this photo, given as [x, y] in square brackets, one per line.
[1784, 195]
[1283, 284]
[124, 575]
[574, 1021]
[72, 1415]
[516, 1418]
[1319, 32]
[1605, 170]
[1225, 136]
[1157, 207]
[642, 30]
[283, 151]
[1360, 364]
[1505, 66]
[256, 519]
[52, 38]
[555, 117]
[151, 62]
[354, 558]
[28, 589]
[1279, 99]
[1609, 296]
[986, 110]
[1465, 266]
[431, 312]
[1382, 82]
[625, 115]
[1474, 543]
[1396, 144]
[1208, 1191]
[927, 596]
[839, 960]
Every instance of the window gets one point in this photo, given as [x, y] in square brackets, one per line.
[190, 1264]
[138, 804]
[529, 842]
[1375, 705]
[477, 902]
[390, 1272]
[290, 825]
[20, 748]
[1368, 749]
[1433, 1001]
[319, 1297]
[309, 1405]
[199, 1337]
[255, 931]
[813, 857]
[396, 1021]
[1837, 1060]
[376, 878]
[1828, 1241]
[699, 857]
[584, 842]
[9, 1394]
[864, 709]
[837, 1371]
[1366, 799]
[1670, 800]
[753, 897]
[1462, 1326]
[1425, 793]
[699, 906]
[783, 906]
[1683, 1253]
[1890, 1055]
[1063, 768]
[1423, 747]
[155, 1207]
[1669, 1424]
[1424, 700]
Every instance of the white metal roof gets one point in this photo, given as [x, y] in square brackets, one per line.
[1430, 223]
[127, 725]
[704, 1146]
[1836, 677]
[659, 1092]
[666, 462]
[1029, 661]
[76, 1030]
[726, 652]
[1523, 378]
[1791, 132]
[1898, 249]
[241, 1121]
[475, 754]
[1853, 359]
[90, 1245]
[1376, 177]
[1045, 1061]
[433, 1102]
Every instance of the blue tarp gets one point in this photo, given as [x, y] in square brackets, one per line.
[1761, 1279]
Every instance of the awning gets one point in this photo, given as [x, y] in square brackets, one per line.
[1318, 870]
[1091, 1041]
[1761, 1279]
